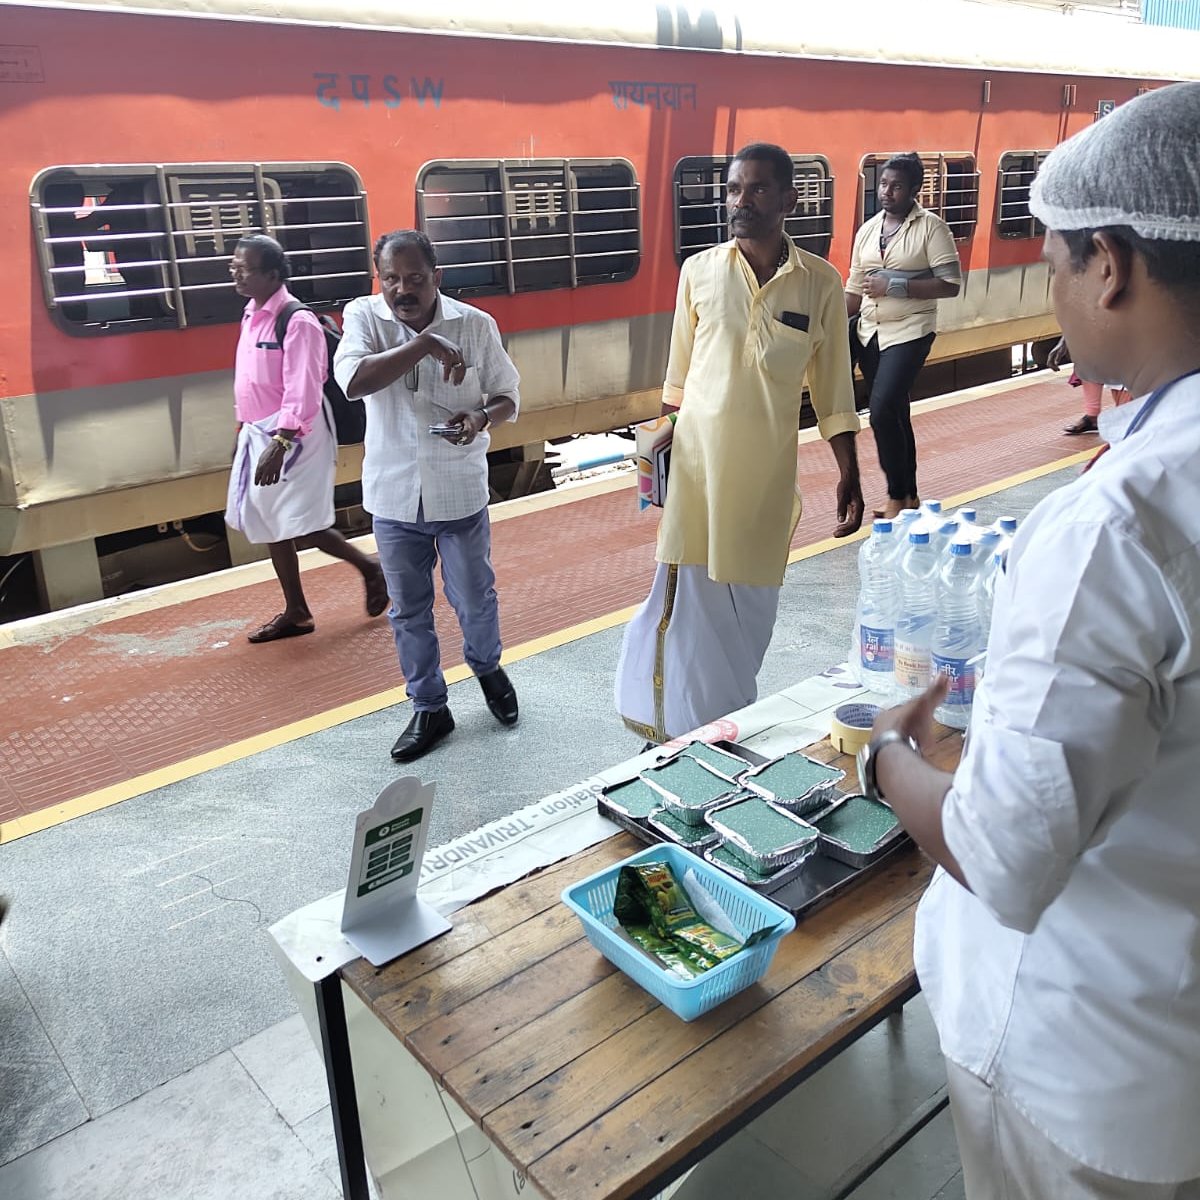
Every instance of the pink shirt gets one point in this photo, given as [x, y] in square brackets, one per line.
[288, 382]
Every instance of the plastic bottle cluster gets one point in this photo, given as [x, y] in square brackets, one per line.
[926, 582]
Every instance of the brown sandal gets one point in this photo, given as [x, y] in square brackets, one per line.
[278, 627]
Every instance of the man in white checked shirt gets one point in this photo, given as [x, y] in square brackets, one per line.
[420, 359]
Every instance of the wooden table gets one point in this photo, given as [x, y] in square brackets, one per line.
[581, 1078]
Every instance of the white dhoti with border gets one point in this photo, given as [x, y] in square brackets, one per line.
[692, 652]
[301, 502]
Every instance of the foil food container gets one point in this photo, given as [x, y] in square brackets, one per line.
[858, 830]
[763, 835]
[723, 858]
[727, 765]
[795, 782]
[634, 798]
[690, 837]
[689, 788]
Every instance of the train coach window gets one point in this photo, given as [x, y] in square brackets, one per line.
[530, 225]
[148, 247]
[1013, 218]
[951, 189]
[700, 205]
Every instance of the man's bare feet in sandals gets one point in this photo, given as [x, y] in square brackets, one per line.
[282, 626]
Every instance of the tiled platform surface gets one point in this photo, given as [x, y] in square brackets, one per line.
[120, 699]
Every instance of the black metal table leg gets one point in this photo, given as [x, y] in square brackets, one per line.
[339, 1075]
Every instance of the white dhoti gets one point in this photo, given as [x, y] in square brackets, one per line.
[301, 502]
[692, 652]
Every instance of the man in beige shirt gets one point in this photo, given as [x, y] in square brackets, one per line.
[904, 260]
[753, 316]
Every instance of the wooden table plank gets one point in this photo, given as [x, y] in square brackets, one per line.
[570, 1096]
[405, 1009]
[485, 918]
[479, 1024]
[499, 1073]
[689, 1107]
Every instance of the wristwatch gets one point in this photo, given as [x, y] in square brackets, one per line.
[868, 757]
[487, 418]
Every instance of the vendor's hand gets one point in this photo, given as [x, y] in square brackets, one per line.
[470, 425]
[450, 355]
[270, 465]
[1059, 355]
[850, 506]
[915, 718]
[875, 285]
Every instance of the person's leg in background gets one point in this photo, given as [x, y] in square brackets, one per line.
[895, 371]
[1093, 394]
[470, 585]
[408, 554]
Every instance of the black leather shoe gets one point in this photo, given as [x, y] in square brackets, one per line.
[500, 696]
[423, 732]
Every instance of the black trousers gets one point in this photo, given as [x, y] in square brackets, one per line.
[889, 376]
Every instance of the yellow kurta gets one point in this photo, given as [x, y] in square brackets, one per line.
[736, 371]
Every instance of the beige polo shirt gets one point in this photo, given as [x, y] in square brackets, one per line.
[923, 249]
[739, 355]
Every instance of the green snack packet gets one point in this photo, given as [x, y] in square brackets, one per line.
[682, 961]
[710, 942]
[650, 892]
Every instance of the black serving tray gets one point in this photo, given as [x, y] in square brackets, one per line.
[820, 880]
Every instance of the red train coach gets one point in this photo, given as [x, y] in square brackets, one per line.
[563, 166]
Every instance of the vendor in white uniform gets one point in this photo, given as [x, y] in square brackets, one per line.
[1059, 943]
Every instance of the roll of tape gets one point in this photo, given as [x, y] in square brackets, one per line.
[850, 729]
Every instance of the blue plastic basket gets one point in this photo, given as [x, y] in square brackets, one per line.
[592, 900]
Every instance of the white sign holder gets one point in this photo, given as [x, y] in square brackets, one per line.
[382, 917]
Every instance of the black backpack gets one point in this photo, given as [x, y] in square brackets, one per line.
[349, 416]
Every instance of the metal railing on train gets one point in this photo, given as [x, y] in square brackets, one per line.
[183, 232]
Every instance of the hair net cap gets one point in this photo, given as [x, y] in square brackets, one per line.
[1139, 166]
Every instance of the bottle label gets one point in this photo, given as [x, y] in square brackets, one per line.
[877, 648]
[961, 677]
[912, 666]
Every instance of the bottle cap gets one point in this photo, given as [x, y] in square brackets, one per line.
[1008, 524]
[934, 506]
[961, 548]
[968, 514]
[882, 525]
[920, 538]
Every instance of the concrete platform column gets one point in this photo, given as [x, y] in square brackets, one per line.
[68, 574]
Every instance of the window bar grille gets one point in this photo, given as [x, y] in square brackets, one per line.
[160, 178]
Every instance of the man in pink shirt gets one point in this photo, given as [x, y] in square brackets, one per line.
[281, 487]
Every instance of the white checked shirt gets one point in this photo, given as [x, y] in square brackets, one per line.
[404, 466]
[1070, 979]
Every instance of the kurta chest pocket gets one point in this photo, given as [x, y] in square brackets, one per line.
[786, 349]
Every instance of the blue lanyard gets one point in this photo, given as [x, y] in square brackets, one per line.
[1151, 404]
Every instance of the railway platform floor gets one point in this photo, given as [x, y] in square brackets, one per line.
[194, 789]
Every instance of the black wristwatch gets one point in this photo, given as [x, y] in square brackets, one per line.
[868, 757]
[487, 417]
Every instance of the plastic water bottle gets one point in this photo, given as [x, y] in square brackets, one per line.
[985, 588]
[958, 634]
[902, 525]
[1006, 525]
[918, 611]
[945, 531]
[872, 650]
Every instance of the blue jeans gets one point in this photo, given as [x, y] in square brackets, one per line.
[408, 552]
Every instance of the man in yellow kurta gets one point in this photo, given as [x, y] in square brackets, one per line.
[753, 317]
